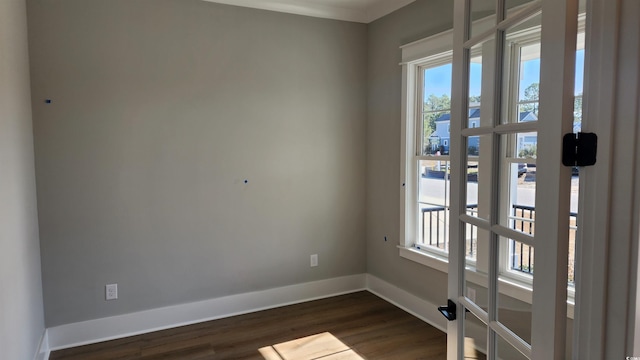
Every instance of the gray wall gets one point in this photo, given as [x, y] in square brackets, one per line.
[21, 313]
[160, 110]
[413, 22]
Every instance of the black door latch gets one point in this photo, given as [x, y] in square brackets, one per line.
[448, 311]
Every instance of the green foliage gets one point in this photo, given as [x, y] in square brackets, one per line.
[577, 110]
[474, 99]
[528, 152]
[531, 93]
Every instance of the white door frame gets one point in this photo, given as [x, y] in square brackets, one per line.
[606, 315]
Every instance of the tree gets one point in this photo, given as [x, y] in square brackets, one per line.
[474, 99]
[530, 151]
[577, 112]
[531, 93]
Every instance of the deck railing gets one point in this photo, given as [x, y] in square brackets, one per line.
[521, 255]
[435, 233]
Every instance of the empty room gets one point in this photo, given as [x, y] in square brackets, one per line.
[319, 179]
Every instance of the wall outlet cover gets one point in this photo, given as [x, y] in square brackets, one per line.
[111, 291]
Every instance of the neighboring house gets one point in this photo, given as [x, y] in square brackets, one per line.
[440, 138]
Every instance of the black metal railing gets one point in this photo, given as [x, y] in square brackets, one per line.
[521, 255]
[435, 230]
[435, 233]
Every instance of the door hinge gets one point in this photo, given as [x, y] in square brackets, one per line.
[579, 149]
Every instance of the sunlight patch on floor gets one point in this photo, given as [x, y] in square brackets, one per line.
[323, 346]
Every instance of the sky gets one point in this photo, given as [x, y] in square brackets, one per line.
[438, 79]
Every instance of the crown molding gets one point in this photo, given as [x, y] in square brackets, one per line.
[359, 11]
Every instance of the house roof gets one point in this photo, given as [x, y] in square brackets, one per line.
[475, 114]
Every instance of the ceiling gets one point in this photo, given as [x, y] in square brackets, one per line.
[363, 11]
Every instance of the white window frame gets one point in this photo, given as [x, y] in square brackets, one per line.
[431, 52]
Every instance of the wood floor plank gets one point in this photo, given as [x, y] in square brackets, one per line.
[348, 327]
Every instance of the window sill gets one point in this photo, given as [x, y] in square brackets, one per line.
[509, 287]
[431, 260]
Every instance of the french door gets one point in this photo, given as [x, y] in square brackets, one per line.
[515, 68]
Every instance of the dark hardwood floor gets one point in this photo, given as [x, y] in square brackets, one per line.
[353, 326]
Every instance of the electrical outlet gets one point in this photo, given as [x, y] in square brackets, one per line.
[314, 260]
[111, 291]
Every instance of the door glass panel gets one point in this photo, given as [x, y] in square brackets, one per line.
[575, 178]
[573, 230]
[433, 204]
[518, 181]
[515, 313]
[473, 178]
[476, 259]
[475, 338]
[522, 72]
[475, 90]
[478, 176]
[479, 115]
[529, 82]
[483, 16]
[506, 351]
[513, 6]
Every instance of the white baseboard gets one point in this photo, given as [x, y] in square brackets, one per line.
[42, 353]
[410, 303]
[115, 327]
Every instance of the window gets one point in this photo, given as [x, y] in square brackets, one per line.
[427, 121]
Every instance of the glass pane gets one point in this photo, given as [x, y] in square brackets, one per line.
[506, 351]
[513, 6]
[518, 181]
[436, 109]
[478, 176]
[573, 224]
[579, 84]
[433, 204]
[575, 178]
[483, 16]
[529, 82]
[520, 258]
[476, 259]
[436, 132]
[513, 313]
[471, 244]
[522, 72]
[475, 338]
[475, 88]
[473, 170]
